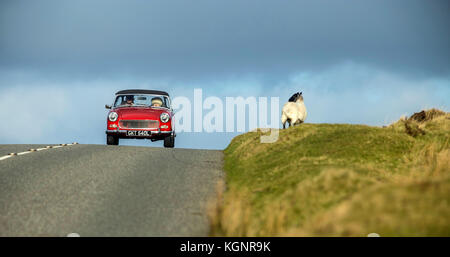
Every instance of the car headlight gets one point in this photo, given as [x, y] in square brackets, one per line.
[164, 117]
[113, 116]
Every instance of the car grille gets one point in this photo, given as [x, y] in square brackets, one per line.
[138, 124]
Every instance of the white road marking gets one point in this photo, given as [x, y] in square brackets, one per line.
[35, 150]
[22, 153]
[5, 157]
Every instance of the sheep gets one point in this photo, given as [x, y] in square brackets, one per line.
[294, 111]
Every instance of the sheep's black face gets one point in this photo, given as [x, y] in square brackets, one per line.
[295, 97]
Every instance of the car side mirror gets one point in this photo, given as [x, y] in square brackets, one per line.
[107, 106]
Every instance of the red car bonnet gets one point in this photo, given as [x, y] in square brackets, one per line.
[139, 113]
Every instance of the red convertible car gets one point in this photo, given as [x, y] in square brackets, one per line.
[143, 114]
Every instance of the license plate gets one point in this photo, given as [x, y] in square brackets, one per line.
[132, 133]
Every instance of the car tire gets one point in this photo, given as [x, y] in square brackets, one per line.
[112, 140]
[169, 141]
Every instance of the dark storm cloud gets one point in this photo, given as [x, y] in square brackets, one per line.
[203, 39]
[356, 61]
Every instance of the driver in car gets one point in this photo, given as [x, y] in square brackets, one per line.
[156, 102]
[129, 99]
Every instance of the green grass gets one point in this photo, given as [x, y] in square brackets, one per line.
[338, 180]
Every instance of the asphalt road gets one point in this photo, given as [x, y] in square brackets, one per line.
[96, 190]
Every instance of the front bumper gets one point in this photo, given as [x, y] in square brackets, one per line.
[154, 134]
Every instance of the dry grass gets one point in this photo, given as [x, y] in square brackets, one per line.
[421, 122]
[413, 204]
[339, 180]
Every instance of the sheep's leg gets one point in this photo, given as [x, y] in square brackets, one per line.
[294, 120]
[298, 122]
[283, 119]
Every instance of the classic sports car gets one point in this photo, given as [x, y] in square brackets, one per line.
[138, 113]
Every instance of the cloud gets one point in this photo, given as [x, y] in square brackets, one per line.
[28, 114]
[36, 108]
[355, 93]
[203, 40]
[39, 108]
[359, 62]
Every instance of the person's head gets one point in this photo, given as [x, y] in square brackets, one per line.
[129, 99]
[156, 102]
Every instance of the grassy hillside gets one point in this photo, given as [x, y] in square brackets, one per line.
[339, 180]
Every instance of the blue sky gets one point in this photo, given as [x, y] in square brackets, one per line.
[366, 62]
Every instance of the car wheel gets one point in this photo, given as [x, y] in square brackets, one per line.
[112, 140]
[169, 141]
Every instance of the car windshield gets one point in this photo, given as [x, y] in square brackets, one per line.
[139, 100]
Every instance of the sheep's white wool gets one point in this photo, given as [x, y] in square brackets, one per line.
[294, 112]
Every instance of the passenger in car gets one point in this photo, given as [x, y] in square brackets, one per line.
[156, 102]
